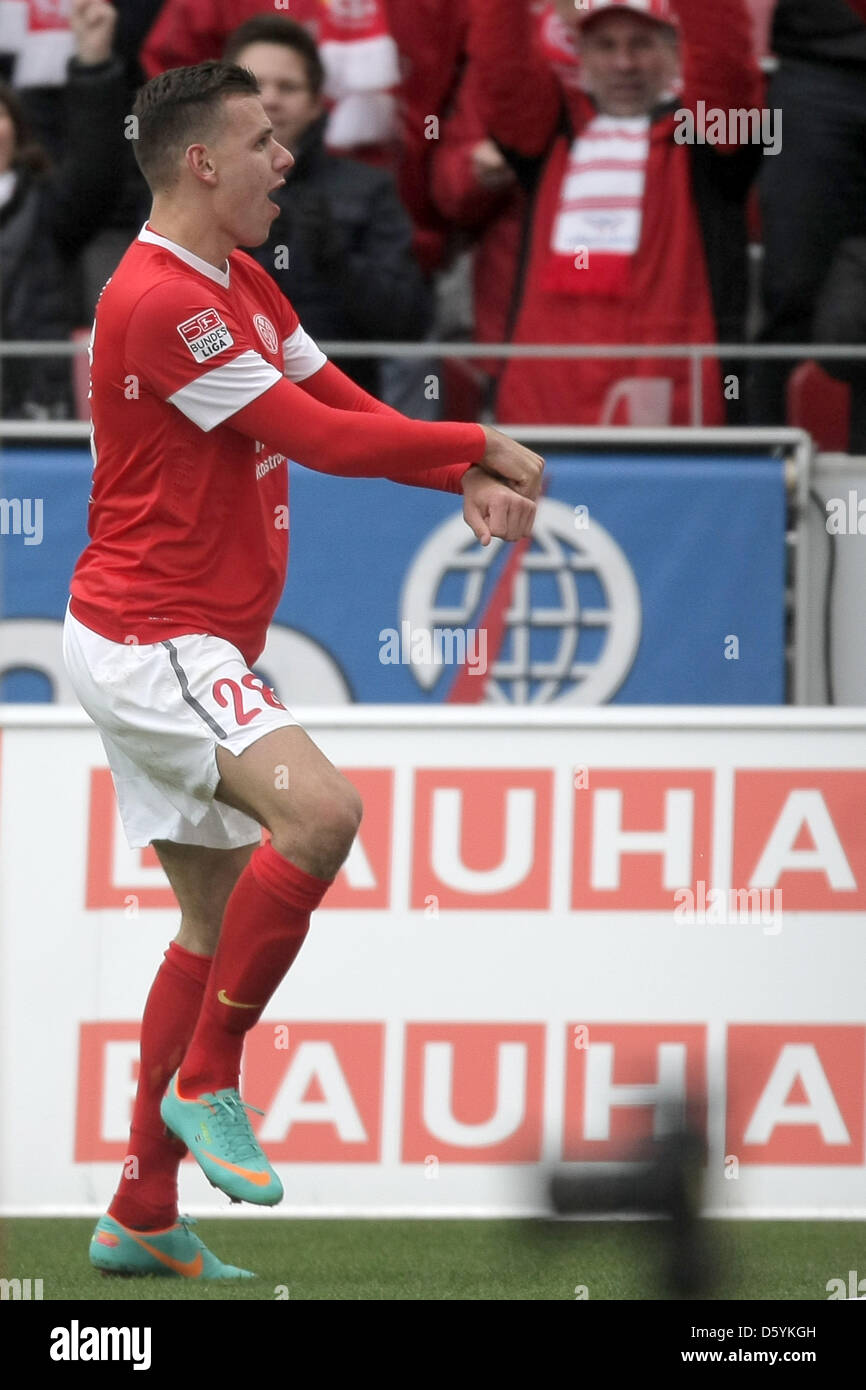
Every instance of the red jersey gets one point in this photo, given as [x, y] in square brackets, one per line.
[185, 523]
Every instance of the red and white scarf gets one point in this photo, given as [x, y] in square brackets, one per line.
[363, 67]
[597, 226]
[596, 230]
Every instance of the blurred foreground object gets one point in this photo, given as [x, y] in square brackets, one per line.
[670, 1186]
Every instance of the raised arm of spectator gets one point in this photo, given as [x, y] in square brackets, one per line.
[83, 188]
[718, 58]
[431, 36]
[519, 98]
[469, 178]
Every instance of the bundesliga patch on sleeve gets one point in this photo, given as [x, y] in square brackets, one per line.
[205, 335]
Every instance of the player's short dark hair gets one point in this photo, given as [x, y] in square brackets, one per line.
[275, 28]
[179, 108]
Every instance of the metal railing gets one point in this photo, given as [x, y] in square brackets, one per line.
[695, 353]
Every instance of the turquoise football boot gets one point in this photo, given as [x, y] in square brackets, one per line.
[173, 1252]
[218, 1134]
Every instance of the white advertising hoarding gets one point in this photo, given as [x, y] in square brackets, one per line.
[548, 922]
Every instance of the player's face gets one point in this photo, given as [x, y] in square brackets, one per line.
[250, 165]
[628, 63]
[286, 96]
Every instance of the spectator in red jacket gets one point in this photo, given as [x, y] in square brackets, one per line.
[638, 229]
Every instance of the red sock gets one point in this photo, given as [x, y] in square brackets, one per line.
[148, 1201]
[265, 922]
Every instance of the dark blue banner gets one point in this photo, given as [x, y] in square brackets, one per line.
[649, 580]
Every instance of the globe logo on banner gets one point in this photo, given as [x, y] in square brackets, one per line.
[569, 614]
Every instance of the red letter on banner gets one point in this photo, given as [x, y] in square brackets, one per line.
[619, 1080]
[801, 831]
[482, 838]
[321, 1090]
[473, 1092]
[795, 1093]
[639, 836]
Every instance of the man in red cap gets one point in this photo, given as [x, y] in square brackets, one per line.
[628, 49]
[637, 234]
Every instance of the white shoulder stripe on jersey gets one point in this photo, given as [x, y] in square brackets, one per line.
[215, 395]
[301, 356]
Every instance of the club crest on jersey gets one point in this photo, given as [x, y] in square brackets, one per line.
[266, 332]
[205, 335]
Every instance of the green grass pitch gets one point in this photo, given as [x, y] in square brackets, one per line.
[435, 1260]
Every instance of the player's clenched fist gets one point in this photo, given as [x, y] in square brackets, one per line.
[492, 508]
[507, 459]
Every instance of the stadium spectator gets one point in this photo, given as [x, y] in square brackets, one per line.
[840, 318]
[47, 212]
[341, 248]
[813, 195]
[655, 250]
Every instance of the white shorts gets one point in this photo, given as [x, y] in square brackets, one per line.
[162, 709]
